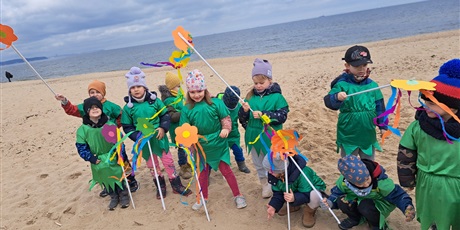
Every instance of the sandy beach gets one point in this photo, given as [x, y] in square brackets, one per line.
[44, 182]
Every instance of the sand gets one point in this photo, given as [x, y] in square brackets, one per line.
[44, 182]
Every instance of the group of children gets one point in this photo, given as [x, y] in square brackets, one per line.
[363, 192]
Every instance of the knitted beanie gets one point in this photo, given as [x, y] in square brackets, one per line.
[448, 84]
[97, 85]
[276, 165]
[195, 81]
[229, 98]
[135, 77]
[262, 67]
[171, 80]
[353, 169]
[89, 102]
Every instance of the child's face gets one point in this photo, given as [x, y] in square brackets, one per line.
[359, 71]
[261, 83]
[196, 95]
[95, 93]
[432, 107]
[366, 183]
[95, 112]
[137, 91]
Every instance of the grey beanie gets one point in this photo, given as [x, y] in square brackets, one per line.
[277, 164]
[262, 66]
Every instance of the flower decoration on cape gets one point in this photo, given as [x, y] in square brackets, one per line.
[180, 44]
[285, 141]
[7, 36]
[109, 132]
[413, 85]
[186, 135]
[145, 126]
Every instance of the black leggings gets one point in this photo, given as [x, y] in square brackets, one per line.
[366, 208]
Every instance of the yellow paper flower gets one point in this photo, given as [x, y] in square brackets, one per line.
[413, 85]
[186, 135]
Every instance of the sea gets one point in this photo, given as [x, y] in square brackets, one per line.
[326, 31]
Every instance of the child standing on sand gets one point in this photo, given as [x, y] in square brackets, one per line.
[212, 119]
[355, 127]
[111, 110]
[264, 99]
[93, 147]
[174, 101]
[140, 103]
[427, 162]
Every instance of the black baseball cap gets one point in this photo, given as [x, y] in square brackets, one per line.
[357, 55]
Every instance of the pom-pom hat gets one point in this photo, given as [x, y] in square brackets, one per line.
[135, 77]
[448, 84]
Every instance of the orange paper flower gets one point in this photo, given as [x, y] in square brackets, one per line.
[7, 36]
[186, 135]
[180, 44]
[285, 141]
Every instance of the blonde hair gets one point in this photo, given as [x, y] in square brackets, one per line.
[191, 103]
[257, 77]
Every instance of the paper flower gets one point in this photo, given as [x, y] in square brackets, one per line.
[179, 59]
[109, 132]
[145, 126]
[285, 141]
[7, 36]
[180, 44]
[186, 135]
[413, 85]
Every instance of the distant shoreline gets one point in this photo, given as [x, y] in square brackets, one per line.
[16, 61]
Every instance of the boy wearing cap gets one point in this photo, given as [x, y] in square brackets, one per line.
[355, 127]
[429, 153]
[113, 111]
[231, 101]
[300, 191]
[174, 101]
[92, 146]
[365, 192]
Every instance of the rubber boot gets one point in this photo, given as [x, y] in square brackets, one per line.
[185, 171]
[178, 188]
[114, 198]
[308, 219]
[242, 167]
[124, 197]
[162, 186]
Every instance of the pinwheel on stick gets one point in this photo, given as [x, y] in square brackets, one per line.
[7, 37]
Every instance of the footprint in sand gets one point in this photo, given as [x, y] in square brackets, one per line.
[75, 175]
[43, 176]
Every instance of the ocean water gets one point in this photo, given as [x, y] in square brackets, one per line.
[327, 31]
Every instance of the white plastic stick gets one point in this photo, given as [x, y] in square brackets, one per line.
[368, 90]
[317, 192]
[128, 187]
[156, 175]
[202, 58]
[287, 190]
[199, 187]
[25, 60]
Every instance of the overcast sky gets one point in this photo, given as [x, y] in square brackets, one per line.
[59, 27]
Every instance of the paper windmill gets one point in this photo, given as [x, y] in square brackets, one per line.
[180, 44]
[285, 141]
[186, 135]
[7, 36]
[145, 126]
[413, 85]
[109, 132]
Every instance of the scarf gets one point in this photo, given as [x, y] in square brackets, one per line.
[433, 127]
[173, 92]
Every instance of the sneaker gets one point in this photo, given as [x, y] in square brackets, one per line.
[197, 205]
[348, 223]
[240, 202]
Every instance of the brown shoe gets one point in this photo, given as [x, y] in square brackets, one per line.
[185, 171]
[308, 219]
[283, 210]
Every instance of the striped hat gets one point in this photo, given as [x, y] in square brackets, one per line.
[448, 84]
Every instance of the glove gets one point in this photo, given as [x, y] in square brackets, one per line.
[409, 213]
